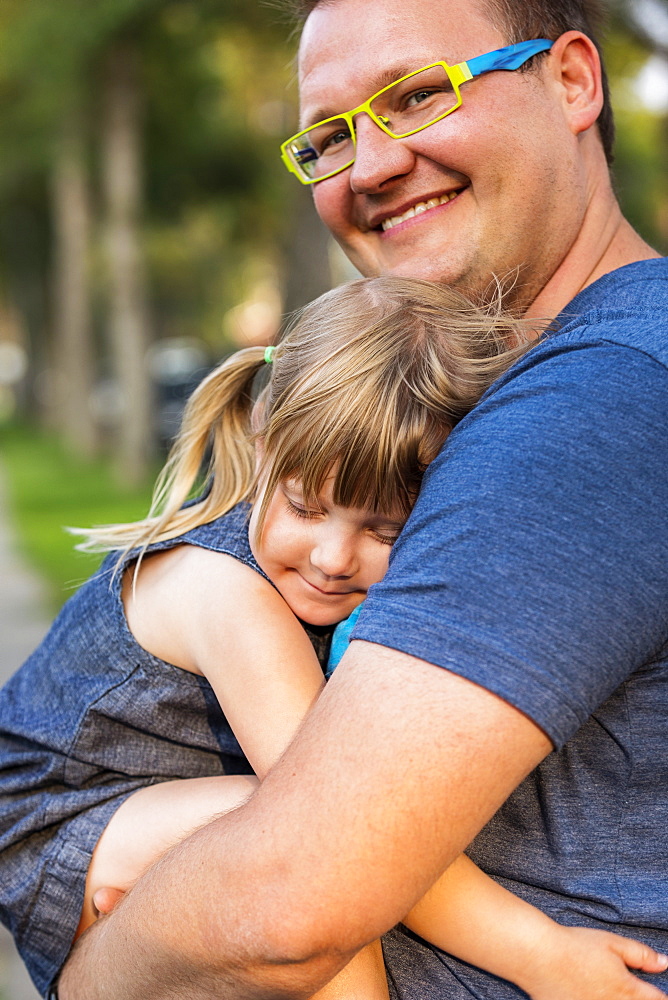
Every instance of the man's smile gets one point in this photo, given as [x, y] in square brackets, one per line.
[417, 208]
[387, 218]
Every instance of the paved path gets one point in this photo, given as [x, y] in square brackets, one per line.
[23, 622]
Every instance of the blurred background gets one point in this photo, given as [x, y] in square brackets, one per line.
[147, 228]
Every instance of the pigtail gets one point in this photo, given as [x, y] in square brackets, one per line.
[217, 418]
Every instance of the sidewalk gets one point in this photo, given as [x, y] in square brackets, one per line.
[22, 625]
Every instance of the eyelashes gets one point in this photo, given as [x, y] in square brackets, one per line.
[385, 539]
[304, 513]
[293, 508]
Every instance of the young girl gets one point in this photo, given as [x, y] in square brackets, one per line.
[119, 735]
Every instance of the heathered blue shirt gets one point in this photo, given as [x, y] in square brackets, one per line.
[535, 563]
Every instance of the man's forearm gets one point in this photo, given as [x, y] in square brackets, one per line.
[270, 901]
[178, 933]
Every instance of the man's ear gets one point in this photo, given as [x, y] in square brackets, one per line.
[576, 69]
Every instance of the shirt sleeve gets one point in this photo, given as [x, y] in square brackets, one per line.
[535, 562]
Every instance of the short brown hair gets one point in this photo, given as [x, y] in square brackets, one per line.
[550, 19]
[522, 20]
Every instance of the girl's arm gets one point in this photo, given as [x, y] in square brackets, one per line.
[471, 916]
[210, 614]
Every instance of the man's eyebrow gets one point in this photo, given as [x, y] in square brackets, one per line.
[382, 79]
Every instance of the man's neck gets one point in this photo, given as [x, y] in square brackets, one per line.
[606, 241]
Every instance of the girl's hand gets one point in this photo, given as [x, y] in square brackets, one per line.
[584, 964]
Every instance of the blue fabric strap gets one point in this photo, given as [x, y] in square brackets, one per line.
[340, 640]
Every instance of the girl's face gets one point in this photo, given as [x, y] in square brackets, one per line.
[321, 558]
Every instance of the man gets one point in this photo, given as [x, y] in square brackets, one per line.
[522, 627]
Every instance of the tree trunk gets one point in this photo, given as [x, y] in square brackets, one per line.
[307, 271]
[128, 322]
[73, 361]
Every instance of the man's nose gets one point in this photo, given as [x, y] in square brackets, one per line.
[333, 555]
[378, 157]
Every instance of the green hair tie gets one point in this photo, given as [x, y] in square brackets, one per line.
[269, 355]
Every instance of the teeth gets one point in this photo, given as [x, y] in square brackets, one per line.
[422, 206]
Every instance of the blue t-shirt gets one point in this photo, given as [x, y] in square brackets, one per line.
[535, 563]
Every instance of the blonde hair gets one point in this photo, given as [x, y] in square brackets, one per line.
[365, 386]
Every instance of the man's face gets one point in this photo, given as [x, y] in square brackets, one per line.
[493, 188]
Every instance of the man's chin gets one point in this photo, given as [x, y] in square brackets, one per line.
[481, 285]
[417, 262]
[441, 272]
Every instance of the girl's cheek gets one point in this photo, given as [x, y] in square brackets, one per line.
[380, 565]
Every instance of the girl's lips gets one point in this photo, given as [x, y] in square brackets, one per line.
[334, 593]
[325, 593]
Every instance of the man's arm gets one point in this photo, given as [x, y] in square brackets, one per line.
[397, 767]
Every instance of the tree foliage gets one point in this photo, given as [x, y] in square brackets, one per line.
[213, 198]
[217, 221]
[638, 32]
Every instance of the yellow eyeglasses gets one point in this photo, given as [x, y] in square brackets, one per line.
[405, 107]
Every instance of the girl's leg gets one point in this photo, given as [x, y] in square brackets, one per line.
[362, 979]
[156, 818]
[152, 820]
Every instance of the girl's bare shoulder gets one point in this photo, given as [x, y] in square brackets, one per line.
[189, 599]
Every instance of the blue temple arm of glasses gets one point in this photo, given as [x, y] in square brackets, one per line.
[510, 57]
[305, 155]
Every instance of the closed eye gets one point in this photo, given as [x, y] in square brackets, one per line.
[299, 511]
[385, 539]
[387, 535]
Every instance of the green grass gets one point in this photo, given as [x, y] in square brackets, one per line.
[49, 489]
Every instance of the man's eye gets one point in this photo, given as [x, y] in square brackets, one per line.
[335, 139]
[419, 96]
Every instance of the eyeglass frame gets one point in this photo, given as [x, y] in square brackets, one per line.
[510, 57]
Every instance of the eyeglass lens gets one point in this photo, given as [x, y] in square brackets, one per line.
[405, 107]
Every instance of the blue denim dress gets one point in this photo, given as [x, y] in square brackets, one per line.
[88, 719]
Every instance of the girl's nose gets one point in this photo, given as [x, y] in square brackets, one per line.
[334, 556]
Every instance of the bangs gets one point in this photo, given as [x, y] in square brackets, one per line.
[367, 385]
[376, 459]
